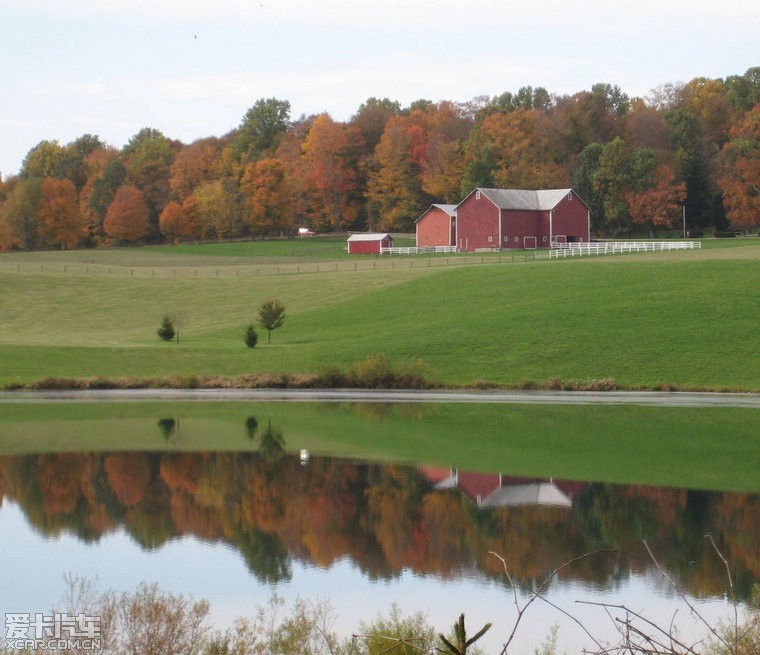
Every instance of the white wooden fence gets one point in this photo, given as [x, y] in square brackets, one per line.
[415, 250]
[617, 247]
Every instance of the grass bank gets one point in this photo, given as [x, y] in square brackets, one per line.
[680, 321]
[620, 444]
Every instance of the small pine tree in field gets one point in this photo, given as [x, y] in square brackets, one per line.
[166, 330]
[250, 336]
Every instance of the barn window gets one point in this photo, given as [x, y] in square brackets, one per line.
[490, 239]
[517, 238]
[570, 196]
[506, 239]
[544, 237]
[477, 195]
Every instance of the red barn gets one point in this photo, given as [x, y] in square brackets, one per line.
[369, 243]
[519, 218]
[437, 226]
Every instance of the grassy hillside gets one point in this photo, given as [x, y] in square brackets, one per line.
[687, 319]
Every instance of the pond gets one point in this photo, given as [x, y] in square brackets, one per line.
[236, 524]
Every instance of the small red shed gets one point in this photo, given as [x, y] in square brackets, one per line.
[369, 243]
[520, 218]
[437, 226]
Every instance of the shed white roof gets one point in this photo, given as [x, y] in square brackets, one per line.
[535, 200]
[369, 236]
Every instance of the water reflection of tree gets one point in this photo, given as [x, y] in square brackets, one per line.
[386, 518]
[272, 443]
[265, 555]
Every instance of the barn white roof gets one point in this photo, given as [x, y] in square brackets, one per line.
[535, 200]
[449, 209]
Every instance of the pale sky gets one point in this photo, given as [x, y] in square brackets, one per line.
[191, 68]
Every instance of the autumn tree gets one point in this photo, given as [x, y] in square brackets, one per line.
[219, 209]
[148, 156]
[176, 224]
[446, 129]
[129, 475]
[658, 202]
[394, 190]
[706, 98]
[370, 119]
[522, 151]
[127, 215]
[645, 127]
[60, 222]
[329, 165]
[194, 165]
[265, 192]
[290, 155]
[98, 194]
[74, 166]
[740, 181]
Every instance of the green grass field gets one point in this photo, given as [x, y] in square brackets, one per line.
[687, 319]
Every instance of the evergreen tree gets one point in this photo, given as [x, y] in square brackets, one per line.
[166, 330]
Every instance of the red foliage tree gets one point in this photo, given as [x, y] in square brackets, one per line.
[127, 215]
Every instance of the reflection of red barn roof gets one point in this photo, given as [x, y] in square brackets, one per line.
[435, 474]
[478, 485]
[495, 490]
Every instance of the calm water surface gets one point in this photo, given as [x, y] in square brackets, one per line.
[236, 527]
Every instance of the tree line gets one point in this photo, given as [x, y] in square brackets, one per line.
[687, 150]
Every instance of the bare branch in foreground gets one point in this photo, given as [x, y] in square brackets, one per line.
[538, 594]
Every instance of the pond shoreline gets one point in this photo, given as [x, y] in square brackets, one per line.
[646, 398]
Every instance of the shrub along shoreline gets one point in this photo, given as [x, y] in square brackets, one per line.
[343, 380]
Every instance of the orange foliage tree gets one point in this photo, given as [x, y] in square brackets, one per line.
[442, 167]
[394, 190]
[266, 194]
[740, 181]
[175, 223]
[659, 203]
[522, 150]
[127, 215]
[129, 475]
[59, 221]
[195, 164]
[329, 164]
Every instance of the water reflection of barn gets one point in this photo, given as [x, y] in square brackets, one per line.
[497, 490]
